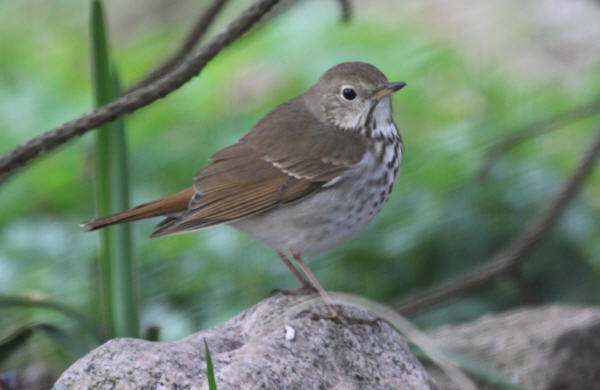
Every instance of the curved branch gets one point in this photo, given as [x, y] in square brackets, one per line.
[191, 39]
[42, 144]
[517, 251]
[543, 126]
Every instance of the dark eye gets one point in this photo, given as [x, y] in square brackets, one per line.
[348, 93]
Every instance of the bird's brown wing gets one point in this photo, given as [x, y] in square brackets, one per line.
[235, 187]
[259, 172]
[292, 139]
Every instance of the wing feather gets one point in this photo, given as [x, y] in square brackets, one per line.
[277, 162]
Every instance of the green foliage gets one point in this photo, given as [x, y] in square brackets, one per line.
[86, 327]
[112, 192]
[17, 339]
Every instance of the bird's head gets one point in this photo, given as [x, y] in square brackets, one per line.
[348, 95]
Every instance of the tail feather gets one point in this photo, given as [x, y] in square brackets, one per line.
[166, 206]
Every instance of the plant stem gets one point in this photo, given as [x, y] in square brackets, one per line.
[112, 194]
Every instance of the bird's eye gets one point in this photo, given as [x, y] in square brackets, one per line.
[348, 93]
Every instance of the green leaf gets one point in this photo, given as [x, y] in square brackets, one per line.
[8, 301]
[61, 338]
[18, 338]
[14, 341]
[212, 384]
[112, 193]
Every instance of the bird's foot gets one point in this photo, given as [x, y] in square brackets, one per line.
[304, 290]
[339, 317]
[333, 315]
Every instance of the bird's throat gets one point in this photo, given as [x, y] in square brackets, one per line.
[379, 123]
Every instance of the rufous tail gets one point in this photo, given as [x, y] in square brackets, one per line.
[165, 206]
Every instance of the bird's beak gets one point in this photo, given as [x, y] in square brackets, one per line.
[387, 89]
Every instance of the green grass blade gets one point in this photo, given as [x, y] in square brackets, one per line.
[85, 324]
[61, 338]
[212, 384]
[13, 342]
[125, 313]
[100, 64]
[18, 338]
[112, 194]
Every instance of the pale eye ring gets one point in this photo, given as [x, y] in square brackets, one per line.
[348, 93]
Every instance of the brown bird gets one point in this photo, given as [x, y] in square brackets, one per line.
[310, 174]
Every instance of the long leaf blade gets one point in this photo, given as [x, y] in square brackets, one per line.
[112, 194]
[19, 337]
[212, 384]
[11, 301]
[13, 342]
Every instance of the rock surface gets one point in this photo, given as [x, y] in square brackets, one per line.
[277, 344]
[546, 348]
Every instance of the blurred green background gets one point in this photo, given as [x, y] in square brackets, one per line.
[474, 72]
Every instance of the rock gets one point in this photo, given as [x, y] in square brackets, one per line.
[277, 344]
[552, 347]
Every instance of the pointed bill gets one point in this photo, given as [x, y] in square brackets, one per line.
[387, 89]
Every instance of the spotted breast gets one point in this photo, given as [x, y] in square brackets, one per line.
[341, 208]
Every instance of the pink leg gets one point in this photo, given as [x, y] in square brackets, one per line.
[306, 286]
[324, 294]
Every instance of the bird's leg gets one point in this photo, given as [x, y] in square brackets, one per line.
[306, 288]
[324, 294]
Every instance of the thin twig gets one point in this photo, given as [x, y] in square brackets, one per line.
[191, 39]
[543, 126]
[517, 251]
[42, 144]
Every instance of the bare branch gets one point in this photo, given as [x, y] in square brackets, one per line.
[42, 144]
[517, 251]
[192, 38]
[543, 126]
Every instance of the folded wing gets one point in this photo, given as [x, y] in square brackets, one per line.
[277, 162]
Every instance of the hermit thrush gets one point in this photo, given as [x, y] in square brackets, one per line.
[310, 174]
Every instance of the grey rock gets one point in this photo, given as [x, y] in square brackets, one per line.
[551, 347]
[280, 343]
